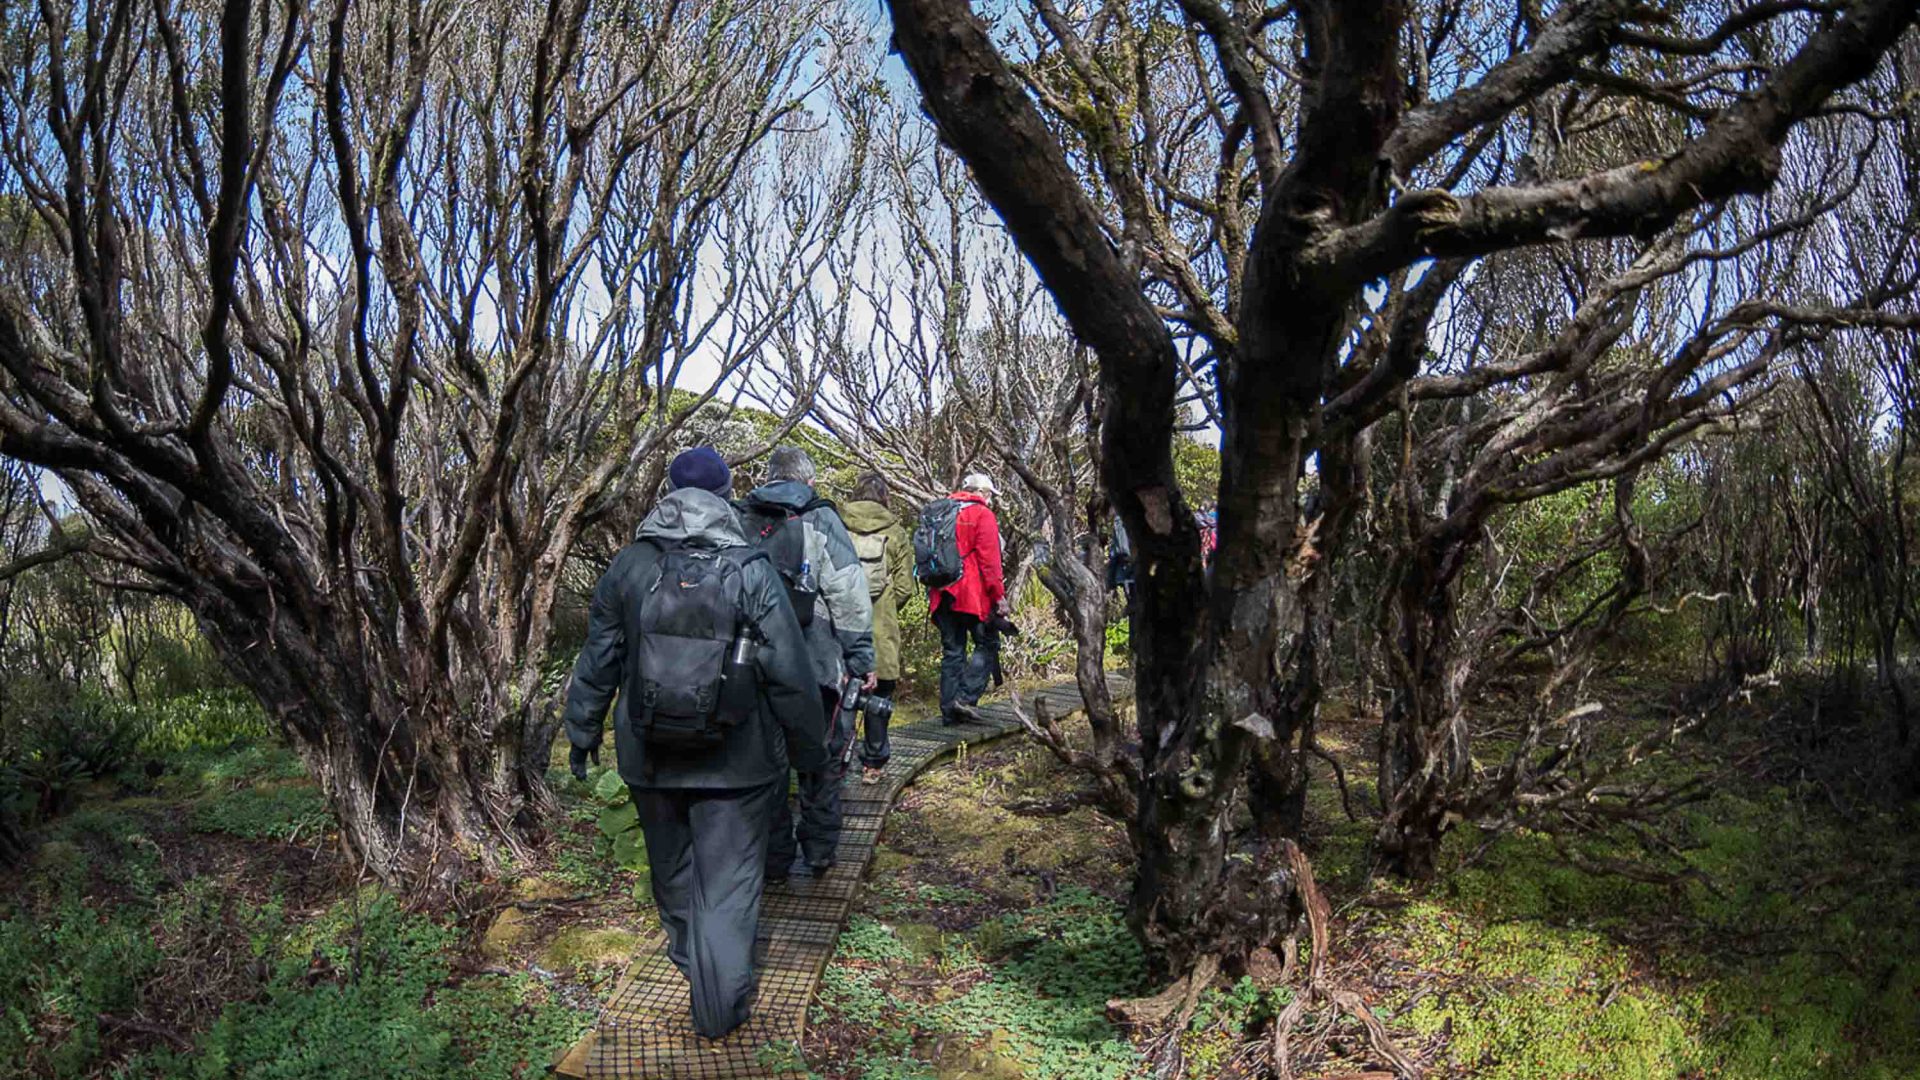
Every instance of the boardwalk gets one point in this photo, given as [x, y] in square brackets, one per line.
[645, 1032]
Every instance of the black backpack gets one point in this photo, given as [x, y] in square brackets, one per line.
[776, 529]
[689, 617]
[936, 544]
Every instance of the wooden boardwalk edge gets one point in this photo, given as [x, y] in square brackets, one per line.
[644, 1031]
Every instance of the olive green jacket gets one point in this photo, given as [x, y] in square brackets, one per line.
[886, 554]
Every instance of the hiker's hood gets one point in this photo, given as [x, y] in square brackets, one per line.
[694, 514]
[791, 494]
[868, 517]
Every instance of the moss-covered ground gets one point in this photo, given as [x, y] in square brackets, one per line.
[1785, 944]
[989, 942]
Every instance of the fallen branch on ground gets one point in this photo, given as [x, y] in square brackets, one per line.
[1118, 779]
[127, 1023]
[548, 902]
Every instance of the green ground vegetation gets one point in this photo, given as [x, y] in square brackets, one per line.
[188, 915]
[1782, 942]
[185, 912]
[1786, 945]
[987, 944]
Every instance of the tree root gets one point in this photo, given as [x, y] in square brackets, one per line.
[1116, 780]
[1170, 1011]
[1174, 1004]
[1319, 914]
[548, 902]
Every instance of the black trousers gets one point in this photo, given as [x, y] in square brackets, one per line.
[706, 849]
[875, 748]
[817, 832]
[965, 659]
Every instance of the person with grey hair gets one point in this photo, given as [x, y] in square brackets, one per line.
[807, 542]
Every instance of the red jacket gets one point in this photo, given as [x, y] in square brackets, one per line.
[977, 534]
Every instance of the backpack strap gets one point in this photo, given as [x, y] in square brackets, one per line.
[742, 556]
[818, 502]
[651, 569]
[775, 515]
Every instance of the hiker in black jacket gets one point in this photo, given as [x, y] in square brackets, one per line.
[703, 744]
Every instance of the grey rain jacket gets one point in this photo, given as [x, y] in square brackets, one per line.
[841, 635]
[790, 724]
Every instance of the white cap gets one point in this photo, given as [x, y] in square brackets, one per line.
[978, 481]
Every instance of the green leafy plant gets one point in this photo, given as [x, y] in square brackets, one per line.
[504, 1027]
[781, 1057]
[1038, 1007]
[1240, 1007]
[201, 718]
[364, 992]
[893, 1067]
[72, 742]
[866, 938]
[1119, 637]
[209, 768]
[619, 822]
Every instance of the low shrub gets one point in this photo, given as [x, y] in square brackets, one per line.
[65, 745]
[61, 971]
[1037, 985]
[201, 719]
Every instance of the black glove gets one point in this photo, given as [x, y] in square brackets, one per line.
[577, 761]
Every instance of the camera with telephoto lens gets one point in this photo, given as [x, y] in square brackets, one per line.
[851, 697]
[879, 709]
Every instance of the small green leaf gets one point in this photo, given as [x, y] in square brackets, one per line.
[611, 789]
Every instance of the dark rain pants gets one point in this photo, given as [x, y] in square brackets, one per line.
[966, 659]
[818, 831]
[707, 849]
[875, 748]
